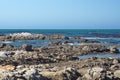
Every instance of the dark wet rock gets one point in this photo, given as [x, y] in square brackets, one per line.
[55, 43]
[2, 45]
[66, 38]
[109, 75]
[88, 41]
[6, 47]
[70, 74]
[27, 47]
[113, 49]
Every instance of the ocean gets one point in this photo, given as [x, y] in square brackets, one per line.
[106, 36]
[68, 32]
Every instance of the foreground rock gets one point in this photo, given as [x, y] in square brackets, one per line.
[26, 74]
[84, 69]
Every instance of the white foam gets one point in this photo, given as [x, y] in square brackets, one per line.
[7, 42]
[24, 34]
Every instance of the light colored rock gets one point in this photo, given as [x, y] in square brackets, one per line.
[117, 73]
[115, 61]
[93, 73]
[6, 53]
[65, 74]
[86, 48]
[7, 67]
[33, 74]
[113, 49]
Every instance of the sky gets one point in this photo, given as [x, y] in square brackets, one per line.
[59, 14]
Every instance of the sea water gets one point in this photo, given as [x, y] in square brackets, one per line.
[105, 36]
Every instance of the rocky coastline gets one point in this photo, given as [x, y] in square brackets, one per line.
[58, 61]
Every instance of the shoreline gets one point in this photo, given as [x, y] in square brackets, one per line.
[58, 60]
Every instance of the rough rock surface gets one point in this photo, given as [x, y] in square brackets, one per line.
[27, 47]
[84, 69]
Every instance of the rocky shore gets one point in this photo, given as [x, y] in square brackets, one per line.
[58, 61]
[87, 69]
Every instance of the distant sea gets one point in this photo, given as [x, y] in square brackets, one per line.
[104, 33]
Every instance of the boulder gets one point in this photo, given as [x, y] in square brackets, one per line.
[27, 47]
[6, 54]
[2, 45]
[70, 74]
[65, 74]
[113, 49]
[7, 67]
[117, 74]
[33, 74]
[94, 73]
[115, 61]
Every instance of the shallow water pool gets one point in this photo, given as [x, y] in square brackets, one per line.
[100, 55]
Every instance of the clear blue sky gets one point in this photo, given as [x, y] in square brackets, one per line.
[54, 14]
